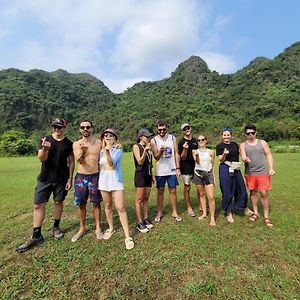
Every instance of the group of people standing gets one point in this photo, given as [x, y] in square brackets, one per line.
[99, 177]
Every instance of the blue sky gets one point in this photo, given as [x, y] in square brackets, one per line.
[122, 42]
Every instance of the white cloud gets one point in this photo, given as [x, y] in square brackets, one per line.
[127, 39]
[157, 36]
[219, 62]
[120, 85]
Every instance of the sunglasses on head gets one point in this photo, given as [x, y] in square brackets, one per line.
[201, 140]
[162, 129]
[250, 133]
[85, 127]
[186, 128]
[226, 129]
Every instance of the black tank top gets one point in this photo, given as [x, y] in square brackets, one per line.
[146, 167]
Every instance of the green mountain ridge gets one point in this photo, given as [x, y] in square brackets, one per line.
[266, 91]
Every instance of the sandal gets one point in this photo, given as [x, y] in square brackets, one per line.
[230, 218]
[253, 217]
[212, 223]
[191, 213]
[268, 222]
[202, 217]
[99, 235]
[108, 233]
[248, 212]
[129, 243]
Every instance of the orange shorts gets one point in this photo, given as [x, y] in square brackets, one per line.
[260, 182]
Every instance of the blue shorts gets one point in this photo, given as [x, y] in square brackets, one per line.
[86, 185]
[170, 179]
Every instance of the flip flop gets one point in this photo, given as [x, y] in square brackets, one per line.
[77, 236]
[158, 219]
[177, 218]
[129, 243]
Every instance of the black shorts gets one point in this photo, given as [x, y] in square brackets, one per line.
[142, 180]
[43, 191]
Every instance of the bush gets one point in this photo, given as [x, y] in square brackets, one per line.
[14, 142]
[127, 146]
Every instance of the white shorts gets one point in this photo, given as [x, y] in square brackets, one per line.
[186, 179]
[108, 181]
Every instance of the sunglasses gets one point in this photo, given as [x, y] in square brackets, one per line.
[226, 129]
[108, 135]
[57, 127]
[201, 140]
[186, 128]
[250, 133]
[85, 127]
[162, 130]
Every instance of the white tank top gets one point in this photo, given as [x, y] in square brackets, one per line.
[166, 164]
[205, 161]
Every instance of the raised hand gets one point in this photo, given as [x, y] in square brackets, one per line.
[83, 147]
[162, 148]
[185, 145]
[226, 151]
[45, 144]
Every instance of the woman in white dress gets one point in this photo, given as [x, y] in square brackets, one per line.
[111, 184]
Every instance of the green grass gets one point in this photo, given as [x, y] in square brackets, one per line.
[189, 260]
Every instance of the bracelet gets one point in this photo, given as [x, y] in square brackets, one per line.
[177, 168]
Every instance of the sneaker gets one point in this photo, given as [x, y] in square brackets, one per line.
[56, 233]
[99, 235]
[108, 233]
[29, 244]
[142, 227]
[148, 223]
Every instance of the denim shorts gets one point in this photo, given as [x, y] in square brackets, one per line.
[170, 179]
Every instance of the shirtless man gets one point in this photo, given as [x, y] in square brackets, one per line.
[86, 152]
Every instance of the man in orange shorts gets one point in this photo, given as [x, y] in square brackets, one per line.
[258, 168]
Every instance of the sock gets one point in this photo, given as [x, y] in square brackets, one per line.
[37, 232]
[56, 223]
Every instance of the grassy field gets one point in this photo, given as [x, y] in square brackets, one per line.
[189, 260]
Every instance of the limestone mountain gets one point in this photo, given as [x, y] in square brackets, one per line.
[267, 92]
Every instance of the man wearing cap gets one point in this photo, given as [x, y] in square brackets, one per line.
[56, 154]
[165, 151]
[187, 164]
[86, 152]
[143, 179]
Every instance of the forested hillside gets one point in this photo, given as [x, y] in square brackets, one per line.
[266, 92]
